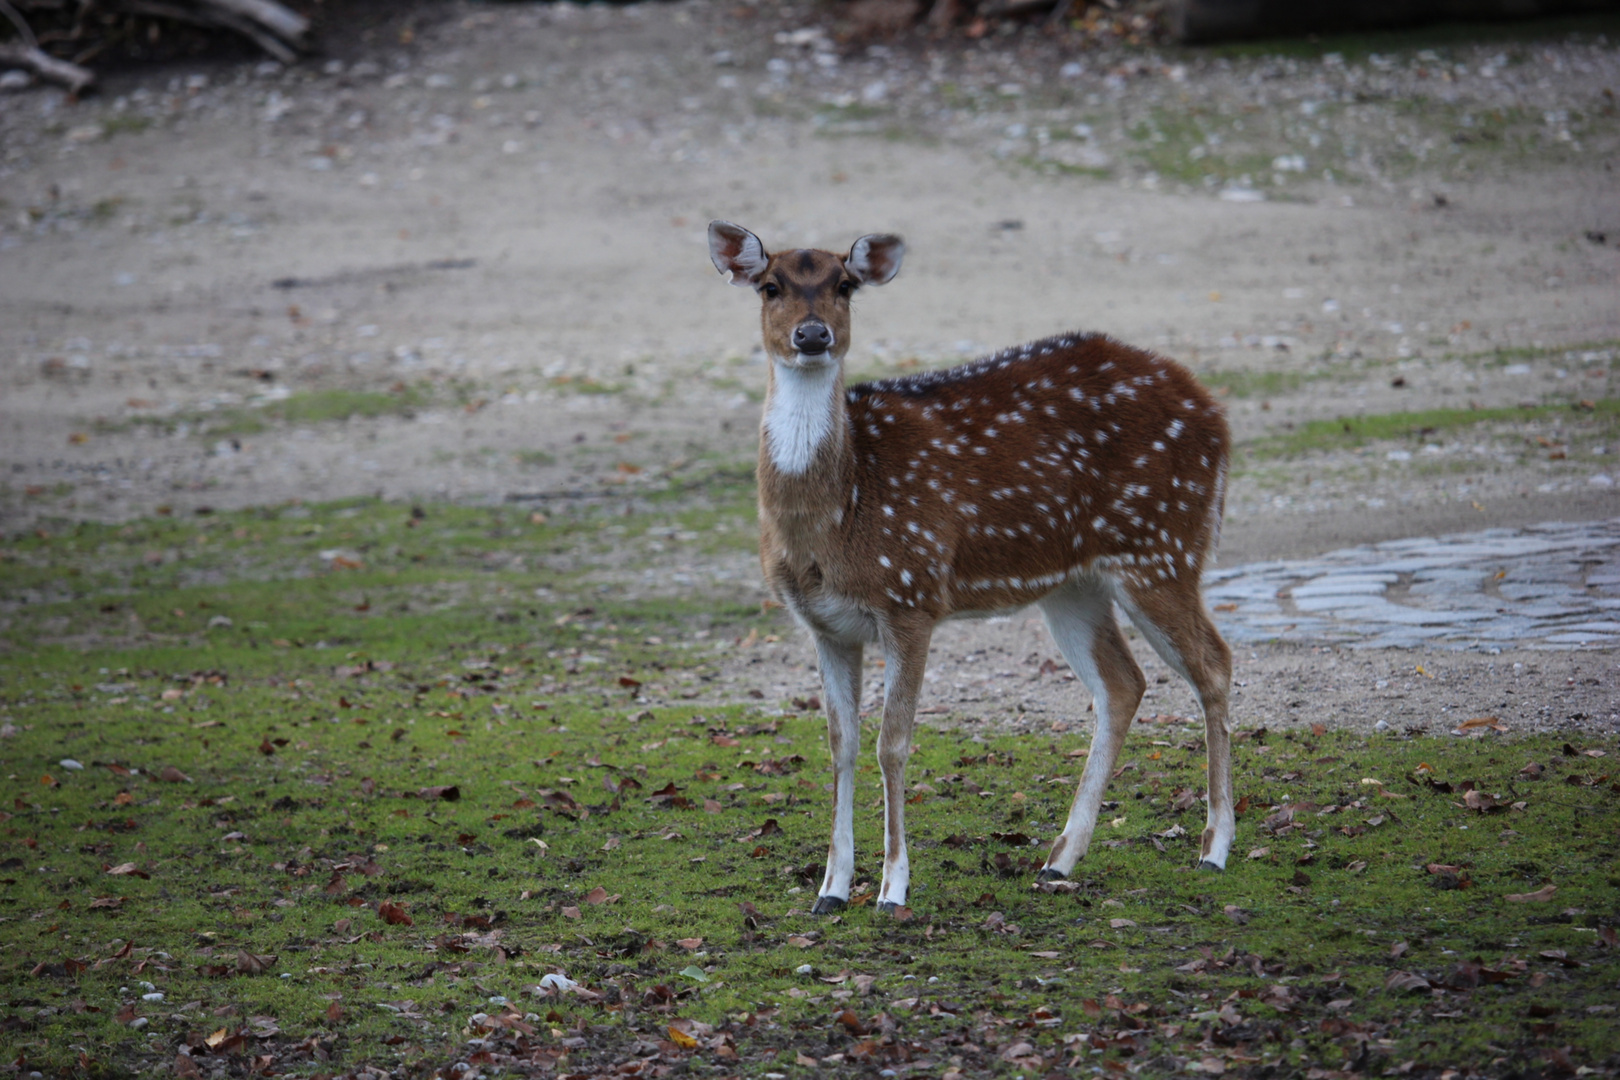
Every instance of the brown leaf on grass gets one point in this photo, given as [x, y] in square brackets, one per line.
[267, 748]
[770, 828]
[334, 1013]
[1608, 936]
[1540, 896]
[130, 869]
[185, 1067]
[800, 942]
[1236, 914]
[1560, 956]
[851, 1022]
[112, 903]
[600, 895]
[249, 964]
[447, 792]
[1491, 723]
[1406, 982]
[690, 943]
[172, 775]
[570, 912]
[1480, 801]
[394, 915]
[801, 1058]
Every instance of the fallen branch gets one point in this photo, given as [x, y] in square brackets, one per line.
[276, 29]
[32, 58]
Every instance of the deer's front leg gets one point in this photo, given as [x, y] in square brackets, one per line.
[907, 651]
[841, 684]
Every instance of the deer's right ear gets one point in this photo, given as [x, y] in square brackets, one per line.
[737, 253]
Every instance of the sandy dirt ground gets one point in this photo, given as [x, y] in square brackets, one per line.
[493, 217]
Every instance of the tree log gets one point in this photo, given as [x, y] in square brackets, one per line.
[46, 66]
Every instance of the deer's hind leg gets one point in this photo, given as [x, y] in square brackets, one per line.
[1080, 616]
[1171, 615]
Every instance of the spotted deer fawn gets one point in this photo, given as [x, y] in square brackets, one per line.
[1072, 473]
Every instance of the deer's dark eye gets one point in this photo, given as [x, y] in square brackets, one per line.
[845, 288]
[771, 291]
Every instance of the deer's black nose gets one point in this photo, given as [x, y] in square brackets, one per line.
[812, 338]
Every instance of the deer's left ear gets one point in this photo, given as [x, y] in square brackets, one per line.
[874, 260]
[737, 253]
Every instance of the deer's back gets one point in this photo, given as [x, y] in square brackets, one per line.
[984, 486]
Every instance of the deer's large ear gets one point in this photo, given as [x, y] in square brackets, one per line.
[874, 260]
[737, 253]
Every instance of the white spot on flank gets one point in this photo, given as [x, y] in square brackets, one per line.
[883, 560]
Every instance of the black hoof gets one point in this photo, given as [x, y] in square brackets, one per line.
[887, 907]
[828, 905]
[1049, 874]
[1205, 864]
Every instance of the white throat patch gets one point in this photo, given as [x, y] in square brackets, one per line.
[800, 415]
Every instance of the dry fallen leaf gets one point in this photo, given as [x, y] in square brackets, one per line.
[394, 915]
[681, 1038]
[249, 964]
[1540, 896]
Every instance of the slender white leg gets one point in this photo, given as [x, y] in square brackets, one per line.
[1172, 617]
[1080, 617]
[841, 683]
[906, 648]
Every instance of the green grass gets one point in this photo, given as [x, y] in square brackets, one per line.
[1248, 383]
[308, 710]
[303, 407]
[1357, 431]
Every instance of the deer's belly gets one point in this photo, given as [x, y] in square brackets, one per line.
[829, 614]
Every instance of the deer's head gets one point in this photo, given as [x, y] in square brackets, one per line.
[804, 294]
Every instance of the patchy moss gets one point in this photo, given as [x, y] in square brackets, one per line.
[1602, 416]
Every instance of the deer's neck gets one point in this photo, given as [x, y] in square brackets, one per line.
[806, 429]
[805, 463]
